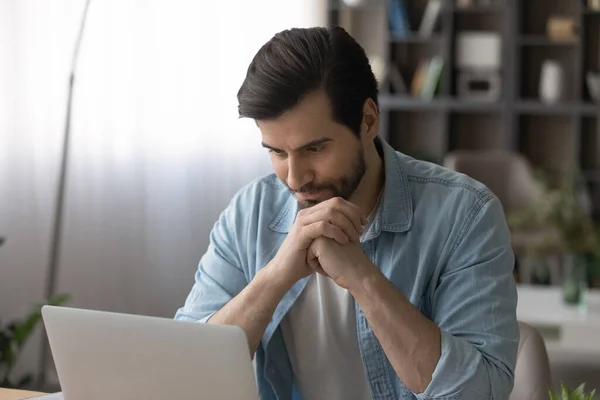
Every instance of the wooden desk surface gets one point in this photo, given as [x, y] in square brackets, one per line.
[10, 394]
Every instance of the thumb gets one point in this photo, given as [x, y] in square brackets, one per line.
[313, 262]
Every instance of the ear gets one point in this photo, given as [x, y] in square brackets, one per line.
[369, 127]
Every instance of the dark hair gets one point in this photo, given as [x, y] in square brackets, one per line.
[299, 61]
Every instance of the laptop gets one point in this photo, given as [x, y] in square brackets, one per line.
[102, 355]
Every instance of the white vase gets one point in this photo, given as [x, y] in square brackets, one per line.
[551, 82]
[593, 83]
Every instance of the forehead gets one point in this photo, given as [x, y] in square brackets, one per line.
[310, 119]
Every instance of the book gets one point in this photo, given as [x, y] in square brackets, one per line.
[430, 17]
[561, 29]
[432, 78]
[419, 77]
[398, 19]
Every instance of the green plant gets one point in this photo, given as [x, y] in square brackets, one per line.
[13, 338]
[561, 221]
[560, 213]
[577, 394]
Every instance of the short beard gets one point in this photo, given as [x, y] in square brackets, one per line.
[344, 187]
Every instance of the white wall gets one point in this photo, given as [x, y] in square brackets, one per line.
[157, 147]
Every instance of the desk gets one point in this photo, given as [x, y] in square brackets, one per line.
[563, 327]
[10, 394]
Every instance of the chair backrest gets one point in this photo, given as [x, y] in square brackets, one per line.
[532, 373]
[507, 174]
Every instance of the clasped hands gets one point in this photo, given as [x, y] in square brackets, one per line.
[325, 238]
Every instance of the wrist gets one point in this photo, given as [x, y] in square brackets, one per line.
[278, 277]
[366, 281]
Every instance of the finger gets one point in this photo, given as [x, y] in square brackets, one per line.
[337, 218]
[325, 229]
[313, 262]
[349, 210]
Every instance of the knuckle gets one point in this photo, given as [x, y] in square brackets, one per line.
[322, 225]
[302, 214]
[337, 201]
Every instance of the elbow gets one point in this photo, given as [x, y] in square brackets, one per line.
[488, 382]
[501, 380]
[465, 373]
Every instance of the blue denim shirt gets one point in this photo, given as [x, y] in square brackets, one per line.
[440, 237]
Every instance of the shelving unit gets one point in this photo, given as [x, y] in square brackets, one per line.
[560, 138]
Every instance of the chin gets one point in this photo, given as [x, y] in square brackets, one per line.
[302, 204]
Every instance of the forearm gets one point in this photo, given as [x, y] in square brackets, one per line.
[411, 342]
[253, 308]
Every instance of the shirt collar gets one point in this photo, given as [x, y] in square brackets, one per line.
[394, 213]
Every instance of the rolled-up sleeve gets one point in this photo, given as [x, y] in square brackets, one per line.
[220, 275]
[474, 305]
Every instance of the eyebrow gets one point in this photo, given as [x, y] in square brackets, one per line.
[312, 143]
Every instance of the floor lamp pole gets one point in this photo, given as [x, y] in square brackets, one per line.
[53, 263]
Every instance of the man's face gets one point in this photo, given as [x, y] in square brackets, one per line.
[316, 157]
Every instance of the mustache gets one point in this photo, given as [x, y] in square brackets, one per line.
[311, 187]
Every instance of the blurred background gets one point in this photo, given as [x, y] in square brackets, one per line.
[507, 91]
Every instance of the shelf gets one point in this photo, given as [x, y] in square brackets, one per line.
[474, 106]
[537, 107]
[558, 136]
[479, 9]
[415, 38]
[405, 102]
[533, 107]
[542, 40]
[590, 109]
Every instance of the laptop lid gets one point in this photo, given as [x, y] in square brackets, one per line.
[101, 355]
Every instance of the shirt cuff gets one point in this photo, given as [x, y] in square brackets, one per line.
[184, 317]
[459, 373]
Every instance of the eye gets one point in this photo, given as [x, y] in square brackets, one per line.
[315, 149]
[278, 153]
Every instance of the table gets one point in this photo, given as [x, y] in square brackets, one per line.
[563, 327]
[10, 394]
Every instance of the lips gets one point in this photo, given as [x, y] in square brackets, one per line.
[308, 196]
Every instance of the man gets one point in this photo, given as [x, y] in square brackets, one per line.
[356, 272]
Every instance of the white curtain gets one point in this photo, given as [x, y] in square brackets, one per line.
[157, 148]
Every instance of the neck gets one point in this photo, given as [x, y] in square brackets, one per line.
[370, 186]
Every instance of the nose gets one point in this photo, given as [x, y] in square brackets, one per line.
[298, 173]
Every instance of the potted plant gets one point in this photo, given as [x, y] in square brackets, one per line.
[14, 336]
[577, 394]
[570, 231]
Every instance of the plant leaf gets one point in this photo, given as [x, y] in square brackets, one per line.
[59, 299]
[25, 328]
[565, 392]
[580, 390]
[14, 336]
[552, 395]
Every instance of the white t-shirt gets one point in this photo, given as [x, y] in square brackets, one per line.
[322, 344]
[320, 336]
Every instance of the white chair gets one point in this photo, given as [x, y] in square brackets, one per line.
[509, 175]
[532, 373]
